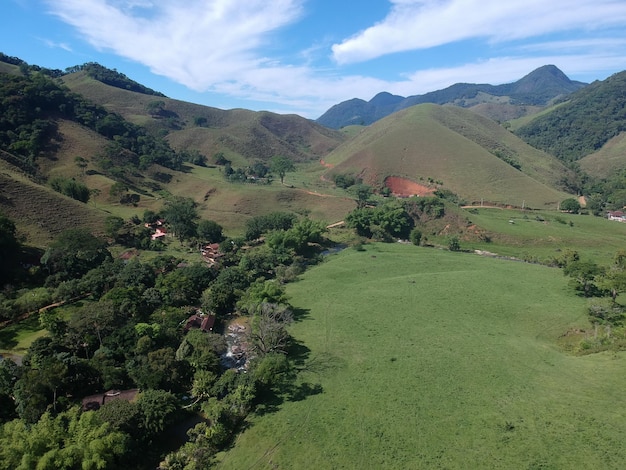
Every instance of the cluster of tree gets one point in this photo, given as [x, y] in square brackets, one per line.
[127, 332]
[345, 180]
[112, 77]
[395, 219]
[71, 188]
[30, 105]
[258, 172]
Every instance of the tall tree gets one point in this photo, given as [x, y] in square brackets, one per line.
[180, 214]
[281, 165]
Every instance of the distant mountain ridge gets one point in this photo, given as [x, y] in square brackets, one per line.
[537, 88]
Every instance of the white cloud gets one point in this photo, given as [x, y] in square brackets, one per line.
[194, 42]
[219, 45]
[420, 24]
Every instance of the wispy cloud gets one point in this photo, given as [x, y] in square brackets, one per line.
[421, 24]
[57, 45]
[220, 46]
[194, 42]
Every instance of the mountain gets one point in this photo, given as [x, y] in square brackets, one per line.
[451, 148]
[590, 119]
[537, 88]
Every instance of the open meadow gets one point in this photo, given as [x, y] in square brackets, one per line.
[544, 235]
[422, 358]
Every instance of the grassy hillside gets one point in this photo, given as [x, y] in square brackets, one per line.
[454, 146]
[40, 214]
[542, 236]
[422, 365]
[241, 134]
[610, 158]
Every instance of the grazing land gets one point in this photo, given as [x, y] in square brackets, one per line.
[542, 236]
[433, 359]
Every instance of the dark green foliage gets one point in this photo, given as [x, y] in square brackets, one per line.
[454, 244]
[184, 285]
[281, 165]
[383, 222]
[9, 249]
[31, 104]
[583, 275]
[210, 231]
[157, 409]
[224, 292]
[261, 224]
[362, 193]
[345, 180]
[74, 253]
[585, 123]
[180, 214]
[113, 78]
[415, 236]
[66, 441]
[570, 205]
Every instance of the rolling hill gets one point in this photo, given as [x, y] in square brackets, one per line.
[522, 97]
[578, 129]
[471, 155]
[242, 135]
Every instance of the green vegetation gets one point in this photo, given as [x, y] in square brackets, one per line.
[386, 355]
[427, 358]
[585, 123]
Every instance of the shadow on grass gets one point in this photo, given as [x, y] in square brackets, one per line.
[8, 338]
[300, 314]
[291, 388]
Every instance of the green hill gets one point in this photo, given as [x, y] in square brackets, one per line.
[240, 134]
[471, 155]
[581, 126]
[417, 358]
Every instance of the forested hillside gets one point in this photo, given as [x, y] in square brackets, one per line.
[584, 123]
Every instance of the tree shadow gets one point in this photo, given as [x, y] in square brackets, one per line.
[300, 314]
[8, 338]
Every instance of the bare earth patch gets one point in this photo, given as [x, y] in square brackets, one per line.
[404, 187]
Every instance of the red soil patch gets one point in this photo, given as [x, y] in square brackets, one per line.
[403, 187]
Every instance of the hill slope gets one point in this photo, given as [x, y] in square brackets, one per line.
[242, 135]
[591, 117]
[467, 152]
[537, 88]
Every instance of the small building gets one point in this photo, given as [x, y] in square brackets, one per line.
[201, 321]
[619, 216]
[94, 402]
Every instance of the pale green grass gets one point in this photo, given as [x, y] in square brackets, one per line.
[543, 235]
[432, 359]
[17, 338]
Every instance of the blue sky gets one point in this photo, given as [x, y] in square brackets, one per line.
[303, 56]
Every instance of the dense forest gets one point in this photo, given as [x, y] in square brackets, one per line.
[129, 328]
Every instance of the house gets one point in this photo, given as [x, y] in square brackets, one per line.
[159, 232]
[617, 215]
[211, 253]
[94, 402]
[201, 321]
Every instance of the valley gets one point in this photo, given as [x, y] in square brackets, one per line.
[435, 285]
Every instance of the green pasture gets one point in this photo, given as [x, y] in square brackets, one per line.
[544, 235]
[432, 359]
[17, 338]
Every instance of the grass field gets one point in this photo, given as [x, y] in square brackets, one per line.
[544, 235]
[431, 359]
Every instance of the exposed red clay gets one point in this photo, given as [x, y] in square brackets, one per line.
[403, 187]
